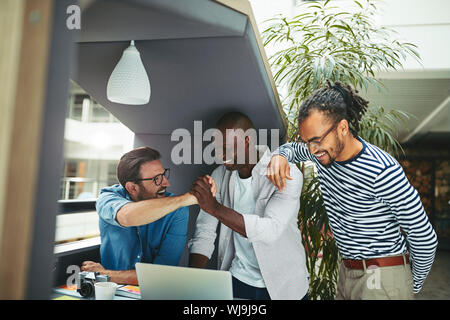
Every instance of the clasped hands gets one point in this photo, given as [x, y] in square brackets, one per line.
[204, 189]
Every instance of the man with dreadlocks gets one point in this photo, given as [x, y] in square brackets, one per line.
[383, 234]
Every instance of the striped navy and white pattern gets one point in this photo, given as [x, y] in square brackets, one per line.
[368, 199]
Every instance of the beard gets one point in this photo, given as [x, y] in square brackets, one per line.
[144, 194]
[231, 167]
[231, 164]
[330, 163]
[334, 152]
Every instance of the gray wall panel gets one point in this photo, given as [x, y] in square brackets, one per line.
[61, 57]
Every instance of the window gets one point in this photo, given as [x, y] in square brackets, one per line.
[76, 106]
[94, 141]
[112, 176]
[83, 108]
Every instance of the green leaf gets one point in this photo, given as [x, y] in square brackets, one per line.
[359, 4]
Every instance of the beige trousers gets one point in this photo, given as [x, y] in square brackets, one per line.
[374, 283]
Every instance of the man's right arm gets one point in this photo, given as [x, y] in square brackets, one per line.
[278, 169]
[294, 152]
[197, 260]
[127, 213]
[201, 246]
[146, 211]
[114, 208]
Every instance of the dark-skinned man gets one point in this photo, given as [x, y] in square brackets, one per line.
[259, 241]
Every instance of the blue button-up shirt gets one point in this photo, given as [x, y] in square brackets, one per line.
[159, 242]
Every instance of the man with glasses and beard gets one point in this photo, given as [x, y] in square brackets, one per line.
[139, 220]
[383, 234]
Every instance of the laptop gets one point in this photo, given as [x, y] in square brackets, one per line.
[159, 282]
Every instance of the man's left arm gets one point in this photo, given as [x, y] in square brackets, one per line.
[393, 187]
[174, 241]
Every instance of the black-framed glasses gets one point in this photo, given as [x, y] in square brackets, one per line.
[158, 179]
[316, 142]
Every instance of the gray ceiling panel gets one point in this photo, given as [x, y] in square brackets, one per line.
[112, 20]
[196, 77]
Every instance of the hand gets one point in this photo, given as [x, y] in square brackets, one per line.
[278, 170]
[193, 200]
[212, 183]
[92, 267]
[203, 191]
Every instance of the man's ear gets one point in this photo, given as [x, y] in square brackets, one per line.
[251, 140]
[343, 127]
[247, 140]
[131, 187]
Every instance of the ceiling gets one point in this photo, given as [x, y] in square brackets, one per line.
[425, 95]
[202, 59]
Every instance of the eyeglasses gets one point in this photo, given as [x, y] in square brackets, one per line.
[316, 142]
[158, 179]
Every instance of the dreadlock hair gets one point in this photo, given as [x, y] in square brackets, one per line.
[338, 101]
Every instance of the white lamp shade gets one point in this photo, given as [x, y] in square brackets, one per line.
[129, 83]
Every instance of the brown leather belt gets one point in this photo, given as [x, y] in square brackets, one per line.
[379, 262]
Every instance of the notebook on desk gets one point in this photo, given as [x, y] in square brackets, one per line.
[158, 282]
[128, 291]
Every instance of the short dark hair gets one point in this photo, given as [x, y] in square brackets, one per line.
[130, 163]
[236, 120]
[338, 101]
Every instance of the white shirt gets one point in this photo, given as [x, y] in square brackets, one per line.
[245, 266]
[272, 230]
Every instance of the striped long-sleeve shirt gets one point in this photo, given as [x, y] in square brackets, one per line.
[368, 199]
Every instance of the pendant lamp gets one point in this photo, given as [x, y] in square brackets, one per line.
[129, 83]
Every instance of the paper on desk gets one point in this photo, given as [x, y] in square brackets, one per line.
[66, 298]
[68, 290]
[71, 288]
[130, 289]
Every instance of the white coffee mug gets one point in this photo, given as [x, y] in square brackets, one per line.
[105, 290]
